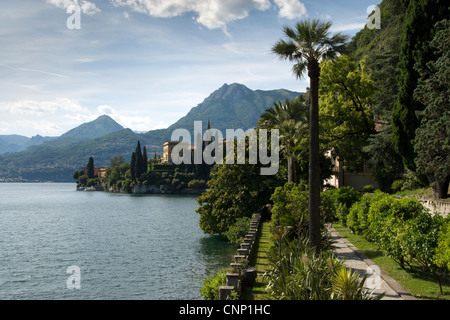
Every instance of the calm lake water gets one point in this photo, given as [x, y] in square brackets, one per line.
[126, 247]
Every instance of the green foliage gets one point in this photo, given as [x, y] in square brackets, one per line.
[411, 181]
[238, 230]
[82, 180]
[235, 191]
[442, 256]
[335, 202]
[297, 272]
[211, 284]
[291, 119]
[432, 143]
[357, 218]
[90, 168]
[418, 31]
[347, 285]
[197, 184]
[290, 208]
[403, 229]
[116, 173]
[346, 92]
[368, 189]
[397, 185]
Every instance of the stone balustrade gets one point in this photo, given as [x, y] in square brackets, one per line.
[240, 272]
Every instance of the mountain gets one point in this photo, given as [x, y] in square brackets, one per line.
[101, 126]
[230, 107]
[16, 143]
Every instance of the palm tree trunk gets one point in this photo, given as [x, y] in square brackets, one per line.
[314, 161]
[291, 169]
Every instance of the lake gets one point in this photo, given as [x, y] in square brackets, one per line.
[125, 246]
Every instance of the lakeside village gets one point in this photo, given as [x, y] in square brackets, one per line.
[144, 175]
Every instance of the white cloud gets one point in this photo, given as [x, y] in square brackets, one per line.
[31, 117]
[212, 14]
[291, 9]
[38, 108]
[106, 110]
[86, 7]
[41, 126]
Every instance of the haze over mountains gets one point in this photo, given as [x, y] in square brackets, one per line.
[55, 158]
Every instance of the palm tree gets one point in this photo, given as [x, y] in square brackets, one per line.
[289, 117]
[306, 46]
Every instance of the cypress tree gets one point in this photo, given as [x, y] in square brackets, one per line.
[90, 168]
[139, 161]
[145, 160]
[418, 31]
[133, 166]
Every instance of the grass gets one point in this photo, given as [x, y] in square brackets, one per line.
[260, 261]
[421, 193]
[419, 284]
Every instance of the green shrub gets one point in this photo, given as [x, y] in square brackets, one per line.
[411, 181]
[368, 189]
[347, 196]
[211, 284]
[404, 230]
[397, 185]
[335, 203]
[328, 205]
[357, 218]
[297, 272]
[442, 255]
[196, 184]
[290, 207]
[238, 230]
[342, 213]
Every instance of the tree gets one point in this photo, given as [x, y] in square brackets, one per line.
[346, 118]
[306, 46]
[432, 142]
[116, 161]
[235, 191]
[290, 118]
[420, 18]
[139, 161]
[90, 168]
[133, 166]
[144, 160]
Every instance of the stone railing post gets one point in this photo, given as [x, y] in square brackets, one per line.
[241, 273]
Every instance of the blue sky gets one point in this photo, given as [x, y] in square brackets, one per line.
[146, 63]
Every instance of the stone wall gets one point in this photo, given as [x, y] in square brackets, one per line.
[240, 272]
[164, 189]
[437, 207]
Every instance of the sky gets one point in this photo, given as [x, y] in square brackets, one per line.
[145, 63]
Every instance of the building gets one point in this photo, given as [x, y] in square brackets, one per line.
[98, 171]
[363, 177]
[169, 145]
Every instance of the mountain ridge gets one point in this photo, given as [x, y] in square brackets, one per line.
[230, 107]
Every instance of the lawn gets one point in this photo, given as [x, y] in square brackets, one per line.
[260, 261]
[419, 284]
